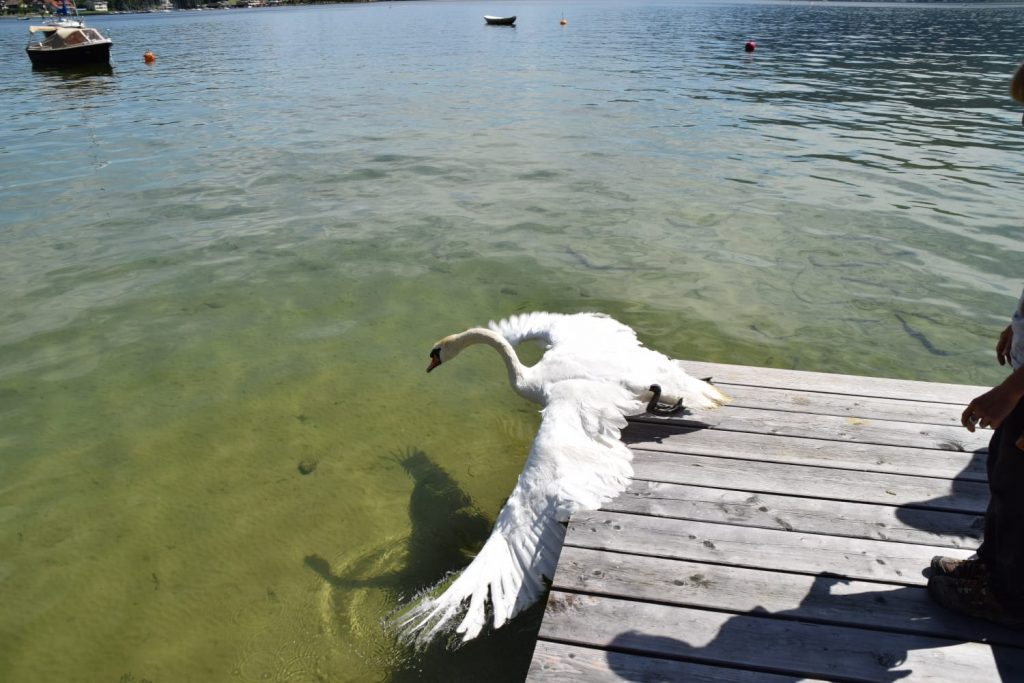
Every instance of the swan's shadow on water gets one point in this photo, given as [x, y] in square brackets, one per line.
[447, 530]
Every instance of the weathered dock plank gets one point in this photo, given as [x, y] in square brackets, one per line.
[560, 663]
[744, 546]
[820, 403]
[817, 482]
[813, 598]
[771, 643]
[791, 513]
[833, 428]
[925, 462]
[784, 537]
[833, 383]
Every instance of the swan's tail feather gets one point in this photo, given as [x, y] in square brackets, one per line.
[698, 394]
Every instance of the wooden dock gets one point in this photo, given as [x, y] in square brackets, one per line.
[783, 537]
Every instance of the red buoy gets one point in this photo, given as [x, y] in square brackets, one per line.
[148, 57]
[750, 46]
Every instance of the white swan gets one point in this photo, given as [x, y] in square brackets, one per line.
[593, 374]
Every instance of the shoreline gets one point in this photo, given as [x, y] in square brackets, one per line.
[90, 13]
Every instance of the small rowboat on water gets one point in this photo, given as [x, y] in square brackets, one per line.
[500, 21]
[66, 41]
[68, 46]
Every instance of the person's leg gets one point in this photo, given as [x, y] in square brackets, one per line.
[974, 567]
[993, 587]
[991, 516]
[1003, 545]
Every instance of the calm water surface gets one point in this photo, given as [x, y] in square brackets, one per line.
[236, 259]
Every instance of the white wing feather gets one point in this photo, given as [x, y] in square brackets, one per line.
[550, 329]
[526, 326]
[576, 462]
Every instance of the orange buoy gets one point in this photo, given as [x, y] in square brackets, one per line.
[149, 57]
[750, 46]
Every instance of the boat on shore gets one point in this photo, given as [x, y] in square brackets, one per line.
[65, 40]
[500, 21]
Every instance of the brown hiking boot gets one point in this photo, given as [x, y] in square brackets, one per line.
[972, 597]
[959, 569]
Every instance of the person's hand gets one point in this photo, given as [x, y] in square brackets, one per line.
[1003, 345]
[989, 409]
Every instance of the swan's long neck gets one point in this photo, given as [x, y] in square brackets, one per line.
[481, 335]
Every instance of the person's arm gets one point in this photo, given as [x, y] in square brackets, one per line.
[1003, 345]
[992, 407]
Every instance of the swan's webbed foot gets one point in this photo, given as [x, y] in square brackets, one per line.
[656, 407]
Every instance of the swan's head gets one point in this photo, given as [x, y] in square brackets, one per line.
[444, 350]
[435, 358]
[450, 346]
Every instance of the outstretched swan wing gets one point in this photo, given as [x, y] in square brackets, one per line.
[550, 329]
[526, 327]
[576, 462]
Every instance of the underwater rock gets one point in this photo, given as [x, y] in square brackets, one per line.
[307, 466]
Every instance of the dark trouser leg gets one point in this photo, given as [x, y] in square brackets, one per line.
[1003, 546]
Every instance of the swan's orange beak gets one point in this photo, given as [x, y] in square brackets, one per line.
[435, 359]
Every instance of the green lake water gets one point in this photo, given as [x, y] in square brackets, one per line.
[236, 259]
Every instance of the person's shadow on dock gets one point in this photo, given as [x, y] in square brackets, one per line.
[764, 644]
[963, 505]
[446, 531]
